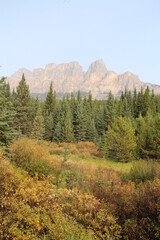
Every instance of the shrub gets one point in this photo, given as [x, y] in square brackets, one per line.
[88, 149]
[143, 170]
[88, 211]
[32, 157]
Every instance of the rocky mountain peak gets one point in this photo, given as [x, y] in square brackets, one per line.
[50, 66]
[70, 77]
[97, 67]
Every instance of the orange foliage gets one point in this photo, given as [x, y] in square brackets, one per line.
[86, 203]
[87, 148]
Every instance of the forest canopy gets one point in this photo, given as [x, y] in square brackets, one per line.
[123, 129]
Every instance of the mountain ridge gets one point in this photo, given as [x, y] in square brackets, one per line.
[70, 77]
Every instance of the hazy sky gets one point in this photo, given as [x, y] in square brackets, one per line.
[124, 33]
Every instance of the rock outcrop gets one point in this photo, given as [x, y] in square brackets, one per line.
[70, 77]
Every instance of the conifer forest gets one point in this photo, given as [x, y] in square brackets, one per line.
[77, 167]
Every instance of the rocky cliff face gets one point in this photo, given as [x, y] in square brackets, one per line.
[70, 77]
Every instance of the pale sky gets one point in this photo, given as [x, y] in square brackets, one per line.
[124, 33]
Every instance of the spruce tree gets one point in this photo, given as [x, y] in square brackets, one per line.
[153, 103]
[7, 114]
[156, 137]
[141, 136]
[80, 122]
[38, 125]
[144, 133]
[120, 140]
[22, 104]
[146, 101]
[50, 101]
[48, 131]
[57, 135]
[126, 110]
[140, 99]
[91, 134]
[67, 129]
[110, 110]
[135, 110]
[99, 120]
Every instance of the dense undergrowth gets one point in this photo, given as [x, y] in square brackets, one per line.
[49, 191]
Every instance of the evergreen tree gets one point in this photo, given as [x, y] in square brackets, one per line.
[153, 103]
[156, 137]
[110, 110]
[102, 146]
[79, 98]
[126, 110]
[22, 104]
[141, 136]
[50, 101]
[91, 135]
[120, 108]
[57, 135]
[146, 101]
[57, 115]
[139, 103]
[157, 102]
[35, 104]
[38, 125]
[130, 103]
[90, 101]
[99, 120]
[80, 123]
[149, 135]
[6, 114]
[120, 140]
[144, 133]
[67, 130]
[135, 110]
[48, 128]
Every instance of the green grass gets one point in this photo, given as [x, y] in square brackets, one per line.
[96, 162]
[117, 166]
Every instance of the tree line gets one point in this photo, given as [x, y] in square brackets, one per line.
[123, 129]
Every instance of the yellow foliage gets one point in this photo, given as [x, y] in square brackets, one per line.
[30, 150]
[86, 202]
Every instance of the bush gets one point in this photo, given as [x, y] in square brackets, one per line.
[88, 149]
[32, 157]
[55, 148]
[143, 170]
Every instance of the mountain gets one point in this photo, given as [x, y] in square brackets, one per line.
[70, 77]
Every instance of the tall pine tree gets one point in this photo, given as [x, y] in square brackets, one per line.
[22, 104]
[7, 114]
[38, 125]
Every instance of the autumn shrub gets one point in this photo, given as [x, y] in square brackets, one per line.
[73, 148]
[88, 149]
[89, 203]
[143, 223]
[2, 154]
[55, 148]
[102, 183]
[29, 209]
[32, 157]
[143, 170]
[88, 211]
